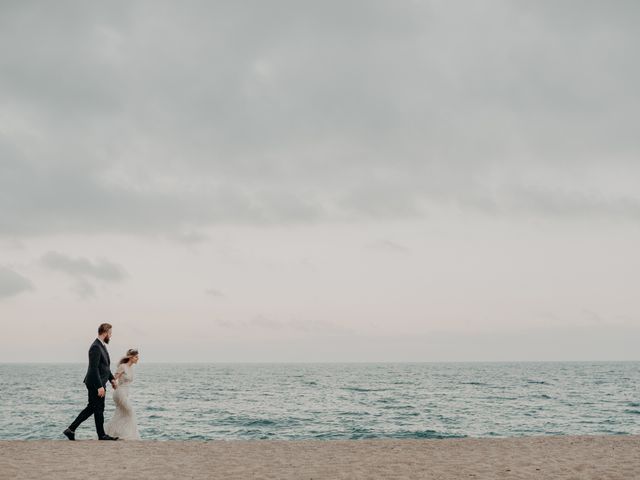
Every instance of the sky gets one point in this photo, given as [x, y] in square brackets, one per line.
[326, 181]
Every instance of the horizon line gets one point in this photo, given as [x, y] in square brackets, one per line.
[329, 362]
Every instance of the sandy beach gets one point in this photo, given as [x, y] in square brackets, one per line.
[561, 457]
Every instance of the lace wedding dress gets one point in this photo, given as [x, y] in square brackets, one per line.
[123, 424]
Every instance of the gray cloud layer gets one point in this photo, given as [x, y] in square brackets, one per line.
[82, 267]
[163, 117]
[84, 272]
[12, 283]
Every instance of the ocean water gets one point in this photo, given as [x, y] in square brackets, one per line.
[336, 401]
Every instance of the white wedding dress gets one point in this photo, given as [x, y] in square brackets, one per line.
[123, 424]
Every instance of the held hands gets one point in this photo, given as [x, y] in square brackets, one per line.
[101, 390]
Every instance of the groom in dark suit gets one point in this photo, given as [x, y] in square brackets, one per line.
[98, 373]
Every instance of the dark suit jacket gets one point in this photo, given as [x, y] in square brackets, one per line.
[99, 371]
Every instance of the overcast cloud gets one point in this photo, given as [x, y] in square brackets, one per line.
[12, 283]
[377, 168]
[82, 267]
[84, 271]
[153, 116]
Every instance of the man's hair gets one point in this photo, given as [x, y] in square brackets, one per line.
[104, 328]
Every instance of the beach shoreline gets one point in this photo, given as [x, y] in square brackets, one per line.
[541, 457]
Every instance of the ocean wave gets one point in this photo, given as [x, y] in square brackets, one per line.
[425, 434]
[260, 422]
[364, 389]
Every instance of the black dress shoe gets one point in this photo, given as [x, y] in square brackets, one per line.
[70, 434]
[107, 437]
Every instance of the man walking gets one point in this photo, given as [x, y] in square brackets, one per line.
[98, 373]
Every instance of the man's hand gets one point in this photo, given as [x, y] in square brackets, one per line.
[114, 384]
[101, 392]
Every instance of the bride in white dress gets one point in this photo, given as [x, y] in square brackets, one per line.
[123, 424]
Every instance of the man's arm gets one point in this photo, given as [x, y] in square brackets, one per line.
[112, 379]
[94, 362]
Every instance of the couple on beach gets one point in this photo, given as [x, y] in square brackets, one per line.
[123, 425]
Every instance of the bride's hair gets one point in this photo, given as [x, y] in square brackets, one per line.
[132, 352]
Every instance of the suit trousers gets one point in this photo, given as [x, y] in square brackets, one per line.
[95, 407]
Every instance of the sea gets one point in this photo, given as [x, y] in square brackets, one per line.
[335, 401]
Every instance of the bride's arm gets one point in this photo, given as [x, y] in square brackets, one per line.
[119, 372]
